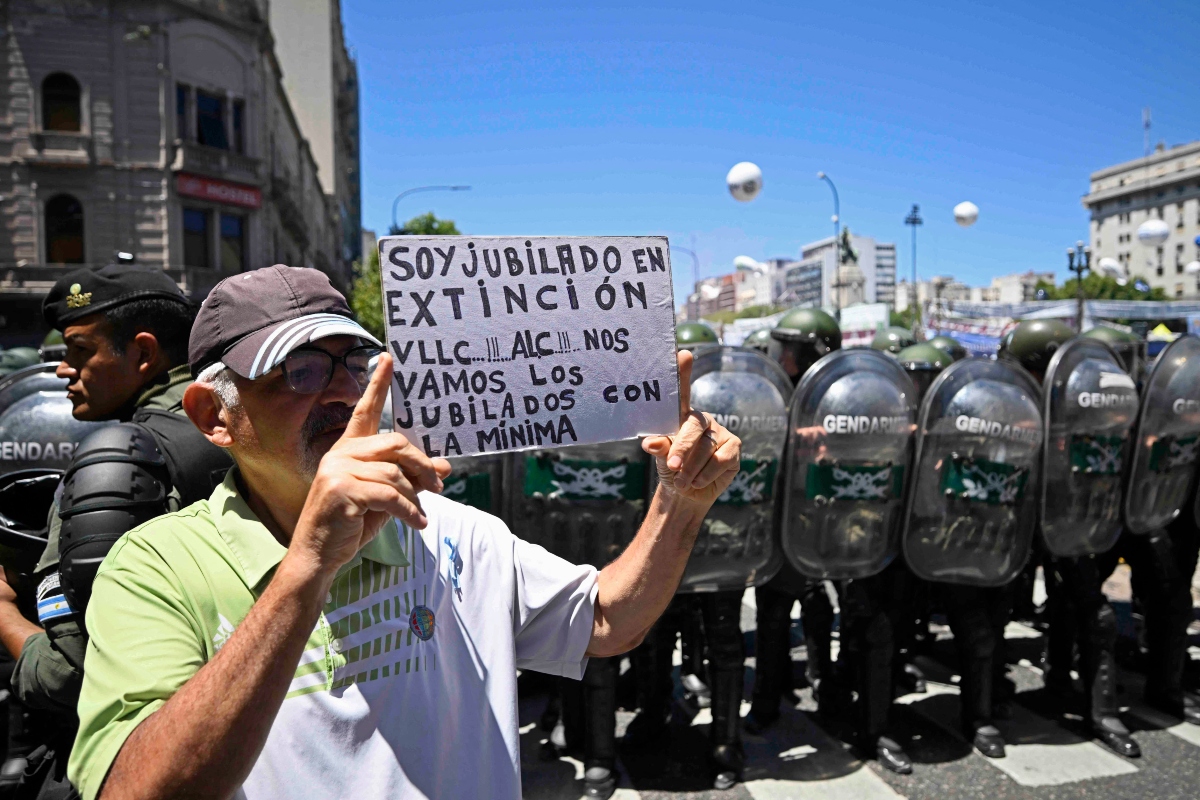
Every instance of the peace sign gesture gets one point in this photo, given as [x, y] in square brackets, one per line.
[366, 478]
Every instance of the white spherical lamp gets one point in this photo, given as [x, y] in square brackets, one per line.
[1192, 268]
[965, 213]
[745, 181]
[1153, 232]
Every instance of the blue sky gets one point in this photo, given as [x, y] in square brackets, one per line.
[624, 119]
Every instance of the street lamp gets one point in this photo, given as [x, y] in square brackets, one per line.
[1080, 266]
[837, 252]
[407, 192]
[913, 220]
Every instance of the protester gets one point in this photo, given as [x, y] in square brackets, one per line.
[326, 625]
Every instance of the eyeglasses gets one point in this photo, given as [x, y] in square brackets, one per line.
[310, 370]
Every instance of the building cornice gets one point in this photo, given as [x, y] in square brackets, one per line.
[1148, 161]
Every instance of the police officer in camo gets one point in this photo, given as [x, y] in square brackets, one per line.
[125, 330]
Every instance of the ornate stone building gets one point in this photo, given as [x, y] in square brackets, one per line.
[160, 129]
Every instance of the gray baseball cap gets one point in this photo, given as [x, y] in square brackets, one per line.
[251, 321]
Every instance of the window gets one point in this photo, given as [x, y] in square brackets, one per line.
[195, 238]
[1179, 290]
[239, 136]
[64, 230]
[1179, 217]
[233, 243]
[183, 101]
[210, 120]
[61, 103]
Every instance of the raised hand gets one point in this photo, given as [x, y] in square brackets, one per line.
[365, 478]
[699, 462]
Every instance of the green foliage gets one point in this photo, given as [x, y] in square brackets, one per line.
[426, 225]
[749, 312]
[1100, 287]
[366, 295]
[904, 319]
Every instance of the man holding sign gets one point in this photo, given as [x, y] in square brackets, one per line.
[326, 625]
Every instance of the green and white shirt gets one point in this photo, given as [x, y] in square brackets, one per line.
[407, 688]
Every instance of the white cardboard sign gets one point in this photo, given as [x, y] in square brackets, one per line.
[514, 342]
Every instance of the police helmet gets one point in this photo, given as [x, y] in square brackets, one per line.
[950, 346]
[1034, 341]
[805, 335]
[18, 358]
[690, 335]
[1129, 347]
[760, 340]
[893, 339]
[923, 361]
[53, 347]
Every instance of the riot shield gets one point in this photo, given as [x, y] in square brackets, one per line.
[971, 506]
[478, 481]
[1167, 438]
[1089, 405]
[848, 456]
[747, 393]
[583, 502]
[38, 437]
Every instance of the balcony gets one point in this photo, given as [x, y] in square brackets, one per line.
[60, 148]
[215, 163]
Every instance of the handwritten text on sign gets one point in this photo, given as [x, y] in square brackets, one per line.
[504, 343]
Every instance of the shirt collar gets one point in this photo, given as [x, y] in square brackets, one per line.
[258, 552]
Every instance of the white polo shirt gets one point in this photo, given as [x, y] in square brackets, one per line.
[408, 686]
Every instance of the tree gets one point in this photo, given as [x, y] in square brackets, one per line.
[1100, 287]
[366, 293]
[904, 319]
[749, 312]
[426, 225]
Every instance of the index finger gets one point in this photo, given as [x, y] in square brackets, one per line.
[369, 408]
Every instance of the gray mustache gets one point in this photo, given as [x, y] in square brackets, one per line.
[323, 419]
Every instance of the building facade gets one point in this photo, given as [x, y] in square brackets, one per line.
[1020, 287]
[320, 78]
[156, 128]
[1166, 186]
[816, 281]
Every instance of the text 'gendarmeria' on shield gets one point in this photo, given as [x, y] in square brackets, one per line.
[512, 342]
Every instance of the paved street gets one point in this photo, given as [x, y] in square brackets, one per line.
[1049, 755]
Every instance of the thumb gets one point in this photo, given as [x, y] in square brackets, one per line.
[369, 409]
[684, 359]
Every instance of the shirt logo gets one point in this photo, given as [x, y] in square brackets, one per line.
[420, 621]
[456, 566]
[224, 631]
[78, 298]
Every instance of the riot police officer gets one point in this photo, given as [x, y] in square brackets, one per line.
[803, 336]
[1162, 540]
[1076, 604]
[126, 334]
[714, 648]
[761, 341]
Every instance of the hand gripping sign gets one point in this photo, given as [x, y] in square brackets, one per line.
[513, 342]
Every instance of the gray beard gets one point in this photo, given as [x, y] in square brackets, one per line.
[321, 420]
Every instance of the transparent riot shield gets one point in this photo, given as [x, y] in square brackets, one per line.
[1167, 438]
[478, 481]
[848, 457]
[1089, 406]
[583, 502]
[38, 437]
[748, 394]
[972, 502]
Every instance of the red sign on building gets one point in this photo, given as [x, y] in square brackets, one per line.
[231, 194]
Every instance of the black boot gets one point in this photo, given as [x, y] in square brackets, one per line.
[599, 783]
[989, 742]
[891, 756]
[1115, 737]
[726, 735]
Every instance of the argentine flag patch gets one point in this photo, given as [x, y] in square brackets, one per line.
[51, 604]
